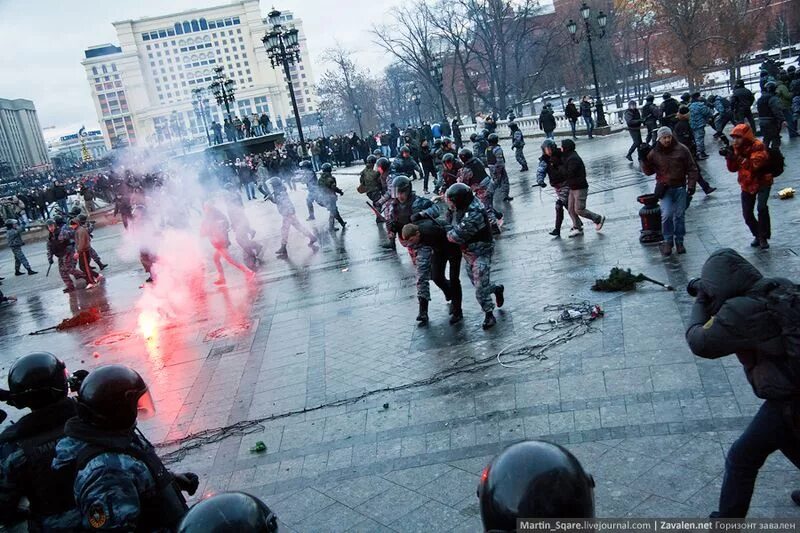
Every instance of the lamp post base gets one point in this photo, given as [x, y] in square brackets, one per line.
[602, 130]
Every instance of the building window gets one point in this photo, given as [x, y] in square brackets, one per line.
[203, 24]
[94, 71]
[162, 33]
[195, 26]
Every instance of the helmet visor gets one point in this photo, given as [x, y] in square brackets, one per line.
[145, 407]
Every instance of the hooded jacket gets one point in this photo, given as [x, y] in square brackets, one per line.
[571, 171]
[730, 315]
[749, 160]
[672, 165]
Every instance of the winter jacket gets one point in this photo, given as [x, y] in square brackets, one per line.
[769, 108]
[672, 165]
[650, 114]
[669, 110]
[722, 105]
[586, 109]
[699, 113]
[572, 171]
[784, 95]
[730, 315]
[83, 241]
[571, 112]
[633, 119]
[749, 160]
[547, 121]
[742, 99]
[370, 181]
[683, 132]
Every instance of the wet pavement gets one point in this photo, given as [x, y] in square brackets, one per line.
[372, 423]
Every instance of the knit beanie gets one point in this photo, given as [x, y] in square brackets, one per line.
[663, 131]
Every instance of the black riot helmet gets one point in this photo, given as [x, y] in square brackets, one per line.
[229, 511]
[493, 139]
[448, 158]
[37, 380]
[11, 222]
[473, 137]
[371, 160]
[534, 479]
[50, 222]
[383, 165]
[459, 195]
[465, 155]
[771, 87]
[739, 84]
[113, 396]
[326, 167]
[401, 184]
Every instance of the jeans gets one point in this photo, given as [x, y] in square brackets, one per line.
[577, 208]
[636, 137]
[250, 189]
[769, 431]
[673, 210]
[760, 228]
[700, 139]
[589, 125]
[549, 135]
[573, 126]
[62, 204]
[386, 151]
[315, 162]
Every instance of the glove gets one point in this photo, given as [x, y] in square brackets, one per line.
[691, 191]
[50, 260]
[416, 216]
[643, 150]
[76, 380]
[188, 482]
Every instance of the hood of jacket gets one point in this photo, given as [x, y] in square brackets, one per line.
[726, 275]
[743, 131]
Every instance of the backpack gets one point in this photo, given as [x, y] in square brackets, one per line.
[784, 304]
[775, 163]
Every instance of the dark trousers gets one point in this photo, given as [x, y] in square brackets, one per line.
[84, 263]
[760, 228]
[452, 287]
[772, 429]
[746, 115]
[427, 171]
[636, 137]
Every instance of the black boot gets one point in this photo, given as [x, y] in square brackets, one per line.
[18, 273]
[389, 245]
[489, 320]
[31, 272]
[456, 315]
[422, 317]
[499, 290]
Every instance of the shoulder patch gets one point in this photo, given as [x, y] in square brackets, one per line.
[97, 515]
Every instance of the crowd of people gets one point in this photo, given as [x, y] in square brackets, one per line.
[239, 128]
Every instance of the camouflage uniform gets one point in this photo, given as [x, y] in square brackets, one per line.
[370, 183]
[479, 149]
[471, 230]
[497, 169]
[448, 177]
[518, 143]
[481, 185]
[280, 197]
[26, 450]
[114, 490]
[327, 197]
[14, 238]
[66, 263]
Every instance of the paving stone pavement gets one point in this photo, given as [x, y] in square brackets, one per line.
[359, 435]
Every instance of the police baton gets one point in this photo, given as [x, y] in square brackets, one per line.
[48, 269]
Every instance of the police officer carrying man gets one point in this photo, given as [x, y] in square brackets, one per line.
[37, 381]
[229, 511]
[119, 481]
[497, 166]
[468, 226]
[434, 252]
[534, 479]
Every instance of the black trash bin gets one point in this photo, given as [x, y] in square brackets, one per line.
[650, 215]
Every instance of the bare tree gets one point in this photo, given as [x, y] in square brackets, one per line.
[741, 22]
[343, 86]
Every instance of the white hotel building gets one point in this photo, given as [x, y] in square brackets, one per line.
[137, 84]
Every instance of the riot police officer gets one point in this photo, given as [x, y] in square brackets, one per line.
[534, 479]
[230, 511]
[405, 164]
[37, 381]
[474, 174]
[119, 481]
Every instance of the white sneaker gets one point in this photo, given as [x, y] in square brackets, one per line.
[90, 286]
[575, 232]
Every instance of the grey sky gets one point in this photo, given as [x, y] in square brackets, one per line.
[43, 43]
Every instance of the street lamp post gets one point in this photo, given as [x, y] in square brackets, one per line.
[321, 124]
[357, 110]
[437, 73]
[415, 97]
[200, 106]
[573, 28]
[223, 90]
[283, 49]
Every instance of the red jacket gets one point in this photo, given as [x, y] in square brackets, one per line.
[749, 160]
